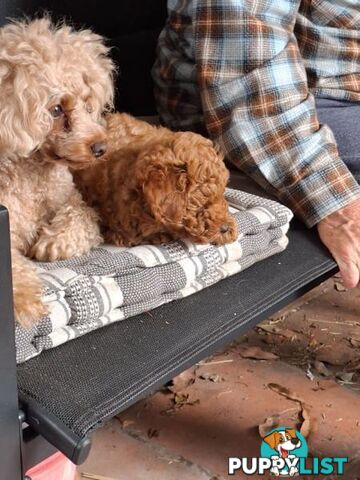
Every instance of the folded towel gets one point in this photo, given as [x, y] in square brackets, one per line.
[111, 283]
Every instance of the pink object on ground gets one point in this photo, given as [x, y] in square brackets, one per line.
[56, 467]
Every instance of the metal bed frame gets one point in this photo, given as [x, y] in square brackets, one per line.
[28, 432]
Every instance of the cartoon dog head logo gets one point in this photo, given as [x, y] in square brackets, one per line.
[284, 446]
[283, 441]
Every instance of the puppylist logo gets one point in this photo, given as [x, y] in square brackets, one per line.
[284, 453]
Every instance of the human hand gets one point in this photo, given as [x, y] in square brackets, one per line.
[340, 233]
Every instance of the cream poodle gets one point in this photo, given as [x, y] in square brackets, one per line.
[55, 83]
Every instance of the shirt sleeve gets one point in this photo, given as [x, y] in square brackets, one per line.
[256, 104]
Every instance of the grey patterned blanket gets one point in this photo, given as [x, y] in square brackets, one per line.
[110, 284]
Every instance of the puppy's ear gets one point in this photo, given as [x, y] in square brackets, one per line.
[204, 161]
[291, 432]
[24, 119]
[164, 185]
[98, 70]
[271, 439]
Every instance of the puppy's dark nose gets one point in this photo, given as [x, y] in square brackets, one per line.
[98, 149]
[224, 228]
[294, 441]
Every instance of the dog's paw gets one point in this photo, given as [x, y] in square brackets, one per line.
[28, 307]
[114, 238]
[119, 239]
[50, 248]
[159, 238]
[228, 233]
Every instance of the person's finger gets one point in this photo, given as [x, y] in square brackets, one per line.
[349, 272]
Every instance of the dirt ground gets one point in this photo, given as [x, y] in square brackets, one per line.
[299, 368]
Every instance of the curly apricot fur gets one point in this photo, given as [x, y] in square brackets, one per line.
[158, 185]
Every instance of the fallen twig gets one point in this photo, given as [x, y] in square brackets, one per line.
[306, 426]
[218, 362]
[91, 476]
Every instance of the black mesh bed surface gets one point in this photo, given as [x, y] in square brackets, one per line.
[70, 390]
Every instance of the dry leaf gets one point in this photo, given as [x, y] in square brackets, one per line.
[179, 401]
[306, 426]
[339, 287]
[340, 355]
[211, 377]
[269, 424]
[345, 377]
[274, 320]
[313, 342]
[269, 328]
[125, 423]
[354, 342]
[353, 365]
[282, 332]
[285, 392]
[180, 382]
[321, 368]
[152, 432]
[256, 353]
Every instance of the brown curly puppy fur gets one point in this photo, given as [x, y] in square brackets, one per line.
[54, 86]
[158, 185]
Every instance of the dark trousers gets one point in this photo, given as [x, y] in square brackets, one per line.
[344, 120]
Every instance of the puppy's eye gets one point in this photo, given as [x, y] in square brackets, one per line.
[57, 111]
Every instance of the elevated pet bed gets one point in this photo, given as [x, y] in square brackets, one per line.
[68, 391]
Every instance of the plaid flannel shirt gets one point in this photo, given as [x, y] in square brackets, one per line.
[248, 71]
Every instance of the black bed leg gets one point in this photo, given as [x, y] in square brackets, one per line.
[10, 444]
